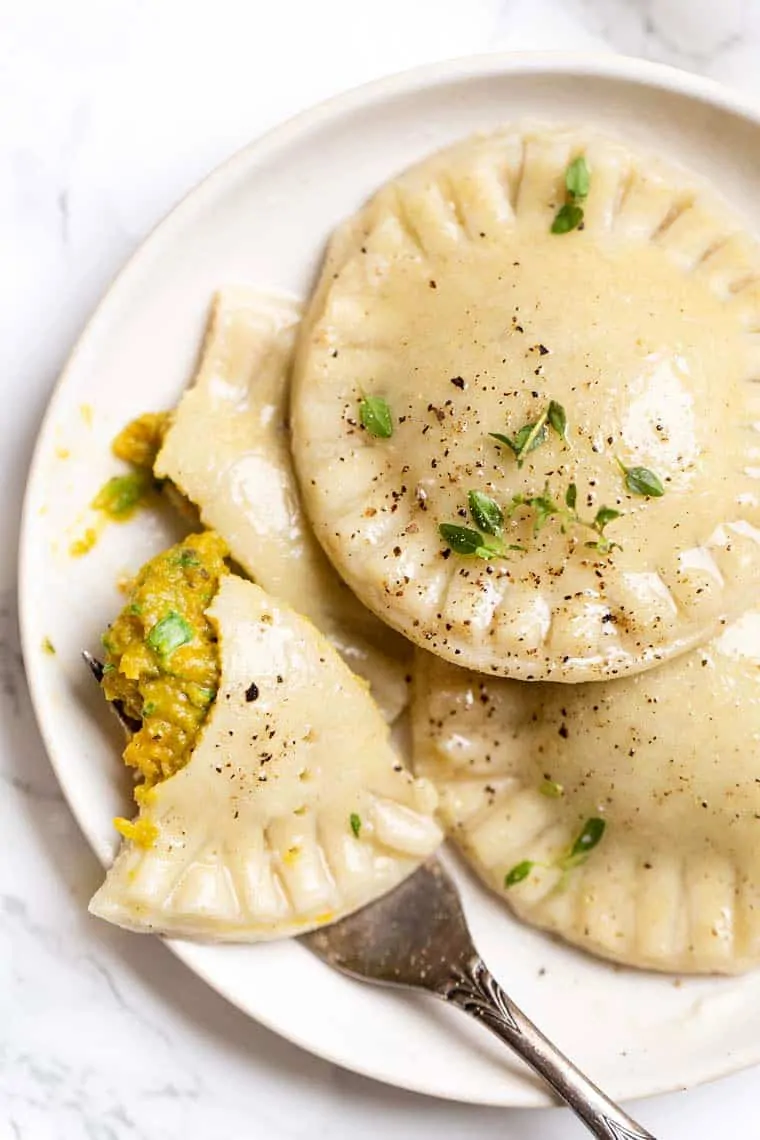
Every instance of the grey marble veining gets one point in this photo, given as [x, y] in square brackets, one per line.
[714, 39]
[113, 108]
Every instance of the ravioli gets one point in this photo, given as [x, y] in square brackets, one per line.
[227, 450]
[293, 810]
[578, 410]
[623, 815]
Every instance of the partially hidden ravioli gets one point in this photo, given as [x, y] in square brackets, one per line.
[293, 809]
[227, 450]
[449, 298]
[658, 771]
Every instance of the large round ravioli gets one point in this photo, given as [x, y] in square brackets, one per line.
[613, 524]
[623, 815]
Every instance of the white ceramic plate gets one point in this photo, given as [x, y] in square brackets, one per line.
[263, 218]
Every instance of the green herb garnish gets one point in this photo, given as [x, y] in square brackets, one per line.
[529, 437]
[642, 481]
[464, 540]
[486, 512]
[543, 505]
[501, 438]
[48, 647]
[558, 419]
[577, 183]
[519, 872]
[589, 837]
[356, 823]
[489, 516]
[603, 545]
[552, 790]
[375, 416]
[586, 841]
[603, 516]
[532, 435]
[170, 633]
[578, 178]
[568, 218]
[545, 508]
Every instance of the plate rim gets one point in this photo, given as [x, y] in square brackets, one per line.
[591, 64]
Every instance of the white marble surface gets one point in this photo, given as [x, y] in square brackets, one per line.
[111, 110]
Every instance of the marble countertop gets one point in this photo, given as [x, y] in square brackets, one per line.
[112, 110]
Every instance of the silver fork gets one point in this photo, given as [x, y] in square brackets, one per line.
[417, 937]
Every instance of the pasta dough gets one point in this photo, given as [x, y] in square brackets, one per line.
[666, 760]
[293, 810]
[227, 450]
[636, 337]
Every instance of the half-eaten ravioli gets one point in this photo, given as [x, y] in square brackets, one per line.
[227, 450]
[285, 806]
[622, 815]
[525, 407]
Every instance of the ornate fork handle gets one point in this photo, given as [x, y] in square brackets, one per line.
[474, 990]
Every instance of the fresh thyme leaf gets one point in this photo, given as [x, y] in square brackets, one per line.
[486, 512]
[593, 830]
[525, 440]
[461, 539]
[590, 835]
[568, 218]
[544, 507]
[558, 419]
[642, 481]
[375, 416]
[604, 516]
[519, 872]
[464, 540]
[492, 547]
[603, 546]
[356, 823]
[552, 790]
[577, 182]
[578, 178]
[531, 436]
[500, 438]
